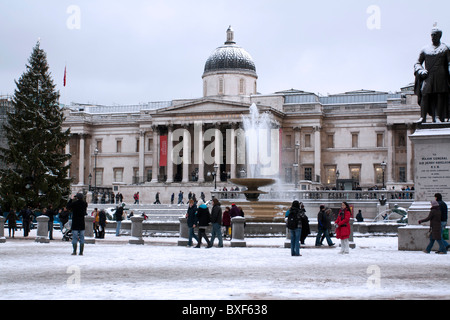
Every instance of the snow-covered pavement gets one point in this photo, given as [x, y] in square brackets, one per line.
[114, 269]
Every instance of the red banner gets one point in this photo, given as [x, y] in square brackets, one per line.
[163, 151]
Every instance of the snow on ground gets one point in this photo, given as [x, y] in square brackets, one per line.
[264, 270]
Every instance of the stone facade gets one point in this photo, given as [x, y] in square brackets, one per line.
[323, 139]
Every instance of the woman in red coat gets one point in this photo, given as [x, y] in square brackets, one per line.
[343, 227]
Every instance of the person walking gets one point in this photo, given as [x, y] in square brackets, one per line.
[444, 216]
[435, 227]
[11, 218]
[323, 225]
[226, 221]
[101, 224]
[50, 213]
[306, 230]
[79, 211]
[294, 224]
[27, 217]
[191, 221]
[157, 198]
[119, 218]
[216, 220]
[63, 218]
[343, 227]
[204, 219]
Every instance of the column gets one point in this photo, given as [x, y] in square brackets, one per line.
[141, 156]
[186, 153]
[68, 161]
[170, 155]
[81, 167]
[409, 155]
[390, 156]
[231, 153]
[218, 147]
[155, 166]
[297, 159]
[198, 150]
[317, 153]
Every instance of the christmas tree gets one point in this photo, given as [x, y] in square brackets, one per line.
[37, 168]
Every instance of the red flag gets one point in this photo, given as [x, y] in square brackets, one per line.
[65, 75]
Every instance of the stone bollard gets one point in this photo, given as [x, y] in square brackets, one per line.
[42, 229]
[89, 230]
[352, 244]
[2, 229]
[237, 227]
[183, 240]
[136, 230]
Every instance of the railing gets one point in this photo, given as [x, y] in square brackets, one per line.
[289, 195]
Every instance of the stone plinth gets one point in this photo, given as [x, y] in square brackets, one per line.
[136, 230]
[42, 229]
[431, 176]
[237, 230]
[183, 240]
[89, 230]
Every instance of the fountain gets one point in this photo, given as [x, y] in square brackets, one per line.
[262, 162]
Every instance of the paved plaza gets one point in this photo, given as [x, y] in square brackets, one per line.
[112, 269]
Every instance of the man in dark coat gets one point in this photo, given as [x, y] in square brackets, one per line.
[78, 207]
[435, 225]
[216, 220]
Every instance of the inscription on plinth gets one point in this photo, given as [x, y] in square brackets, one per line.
[432, 163]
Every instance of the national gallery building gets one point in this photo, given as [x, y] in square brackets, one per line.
[351, 140]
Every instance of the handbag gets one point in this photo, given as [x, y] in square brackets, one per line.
[445, 234]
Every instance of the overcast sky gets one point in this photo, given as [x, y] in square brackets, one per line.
[136, 51]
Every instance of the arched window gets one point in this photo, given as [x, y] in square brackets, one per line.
[241, 86]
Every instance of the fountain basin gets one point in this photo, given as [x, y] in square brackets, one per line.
[252, 184]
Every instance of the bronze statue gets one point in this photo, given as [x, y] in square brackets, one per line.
[432, 84]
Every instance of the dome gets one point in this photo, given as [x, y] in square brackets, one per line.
[230, 57]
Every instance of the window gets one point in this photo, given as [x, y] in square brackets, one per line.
[98, 145]
[378, 175]
[118, 146]
[307, 141]
[137, 144]
[355, 140]
[221, 86]
[288, 141]
[98, 176]
[401, 174]
[355, 172]
[288, 175]
[308, 174]
[241, 86]
[330, 141]
[330, 174]
[380, 140]
[118, 175]
[401, 140]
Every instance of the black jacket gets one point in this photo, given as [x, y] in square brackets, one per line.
[203, 216]
[78, 208]
[216, 214]
[191, 216]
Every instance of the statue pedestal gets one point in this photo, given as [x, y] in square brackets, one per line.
[432, 175]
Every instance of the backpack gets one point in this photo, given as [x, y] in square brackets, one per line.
[293, 219]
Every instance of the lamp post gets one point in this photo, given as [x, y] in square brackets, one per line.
[214, 175]
[383, 167]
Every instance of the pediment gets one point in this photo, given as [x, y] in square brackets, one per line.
[204, 106]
